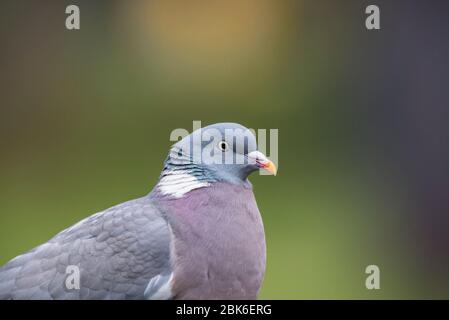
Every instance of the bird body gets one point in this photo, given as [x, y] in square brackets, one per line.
[197, 235]
[117, 251]
[221, 254]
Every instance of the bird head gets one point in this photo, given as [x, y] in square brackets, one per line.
[225, 152]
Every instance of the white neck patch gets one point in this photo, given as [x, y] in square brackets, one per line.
[177, 183]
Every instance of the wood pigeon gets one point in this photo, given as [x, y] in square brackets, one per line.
[197, 235]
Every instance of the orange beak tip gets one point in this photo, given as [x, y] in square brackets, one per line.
[271, 167]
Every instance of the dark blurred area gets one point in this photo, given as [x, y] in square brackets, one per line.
[85, 118]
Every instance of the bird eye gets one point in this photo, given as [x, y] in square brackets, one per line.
[223, 146]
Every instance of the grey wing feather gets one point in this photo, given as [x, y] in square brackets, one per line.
[121, 253]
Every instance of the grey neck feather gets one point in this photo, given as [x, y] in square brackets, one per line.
[181, 165]
[179, 161]
[189, 167]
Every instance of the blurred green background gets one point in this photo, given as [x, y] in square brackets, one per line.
[362, 116]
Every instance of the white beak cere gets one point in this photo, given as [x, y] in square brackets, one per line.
[260, 160]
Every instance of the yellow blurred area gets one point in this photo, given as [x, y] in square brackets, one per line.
[206, 40]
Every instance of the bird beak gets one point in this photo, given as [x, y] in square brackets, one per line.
[270, 167]
[261, 161]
